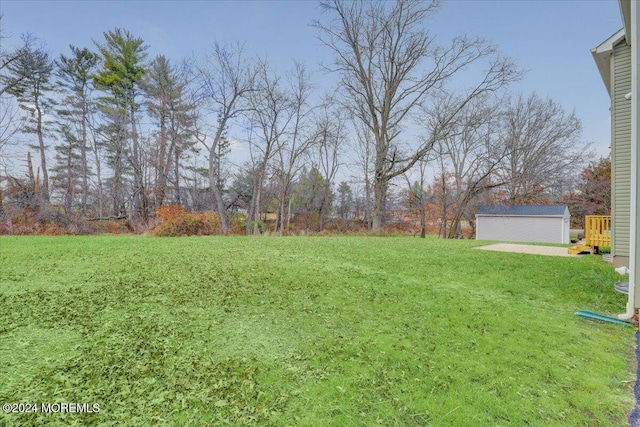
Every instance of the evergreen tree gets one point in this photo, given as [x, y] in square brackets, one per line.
[123, 68]
[34, 68]
[345, 200]
[74, 73]
[68, 170]
[173, 113]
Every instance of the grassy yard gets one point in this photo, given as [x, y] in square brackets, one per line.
[313, 331]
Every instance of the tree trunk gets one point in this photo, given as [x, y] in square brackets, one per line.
[31, 194]
[251, 210]
[222, 212]
[162, 162]
[68, 199]
[214, 184]
[96, 154]
[444, 207]
[43, 157]
[367, 202]
[423, 220]
[284, 201]
[117, 178]
[139, 208]
[83, 156]
[256, 212]
[281, 215]
[455, 224]
[176, 165]
[379, 202]
[321, 216]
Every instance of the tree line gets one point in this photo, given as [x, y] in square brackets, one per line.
[115, 134]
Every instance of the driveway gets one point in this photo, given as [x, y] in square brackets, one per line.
[527, 249]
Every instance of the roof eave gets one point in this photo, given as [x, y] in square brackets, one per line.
[602, 57]
[625, 12]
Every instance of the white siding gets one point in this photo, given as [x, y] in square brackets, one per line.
[566, 228]
[522, 229]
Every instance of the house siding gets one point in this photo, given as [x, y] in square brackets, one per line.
[621, 152]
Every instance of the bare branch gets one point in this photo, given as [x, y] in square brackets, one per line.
[389, 65]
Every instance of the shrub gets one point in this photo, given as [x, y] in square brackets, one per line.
[240, 227]
[176, 221]
[170, 212]
[116, 227]
[50, 220]
[53, 229]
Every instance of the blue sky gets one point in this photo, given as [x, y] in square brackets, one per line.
[549, 39]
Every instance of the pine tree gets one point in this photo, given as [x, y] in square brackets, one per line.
[74, 73]
[169, 106]
[68, 170]
[122, 71]
[33, 92]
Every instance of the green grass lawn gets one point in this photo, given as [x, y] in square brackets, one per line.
[308, 331]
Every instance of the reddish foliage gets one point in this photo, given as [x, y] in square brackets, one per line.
[116, 227]
[170, 212]
[593, 193]
[54, 229]
[176, 221]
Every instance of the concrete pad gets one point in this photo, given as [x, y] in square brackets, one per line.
[527, 249]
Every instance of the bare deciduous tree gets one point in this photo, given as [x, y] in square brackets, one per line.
[225, 79]
[418, 195]
[541, 143]
[472, 149]
[297, 139]
[270, 117]
[365, 159]
[11, 122]
[330, 134]
[389, 64]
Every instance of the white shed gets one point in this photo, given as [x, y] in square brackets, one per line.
[533, 223]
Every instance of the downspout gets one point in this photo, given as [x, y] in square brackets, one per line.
[633, 240]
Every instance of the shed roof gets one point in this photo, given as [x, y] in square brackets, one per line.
[524, 210]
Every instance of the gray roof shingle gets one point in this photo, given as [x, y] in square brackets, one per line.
[523, 210]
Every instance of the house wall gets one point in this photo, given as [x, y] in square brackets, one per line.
[523, 228]
[620, 153]
[632, 26]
